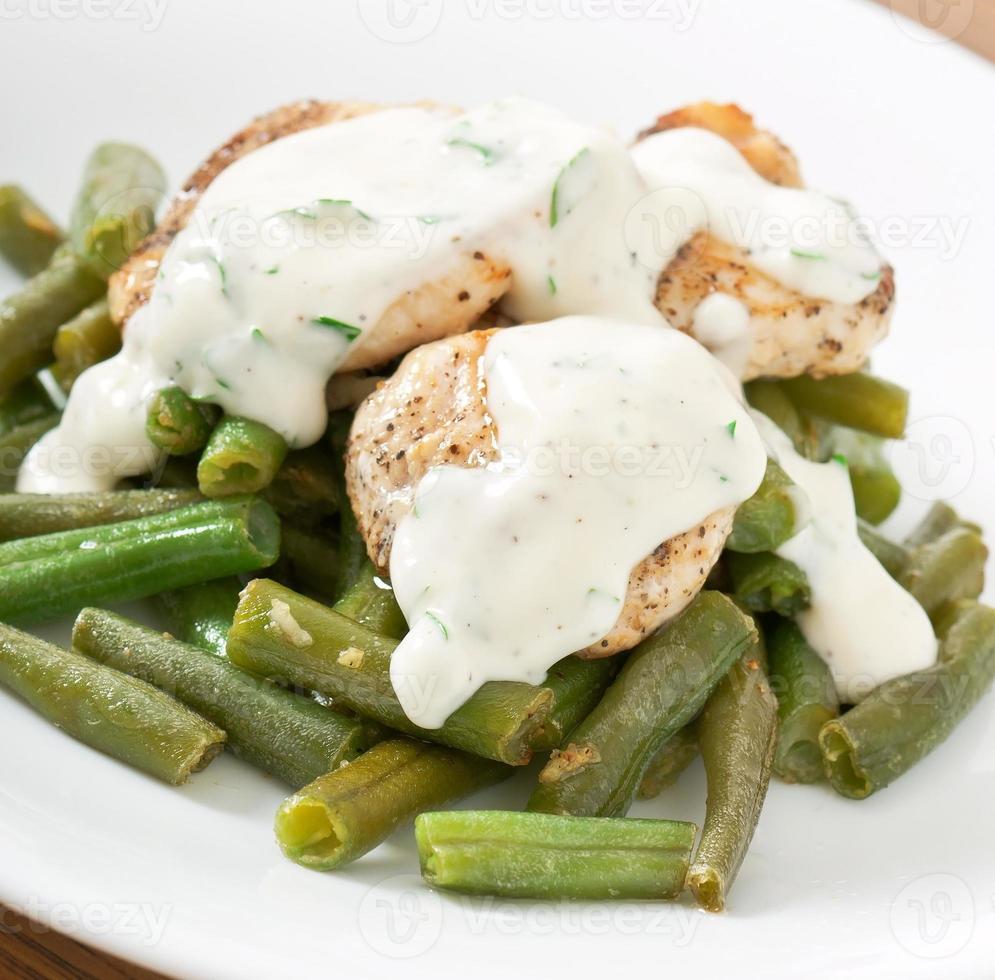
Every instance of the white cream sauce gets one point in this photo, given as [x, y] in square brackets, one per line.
[296, 251]
[722, 324]
[865, 626]
[613, 437]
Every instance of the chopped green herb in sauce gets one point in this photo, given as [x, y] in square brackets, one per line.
[554, 203]
[438, 622]
[346, 329]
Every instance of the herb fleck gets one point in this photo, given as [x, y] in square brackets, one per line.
[731, 428]
[438, 622]
[551, 282]
[346, 329]
[841, 459]
[554, 203]
[799, 253]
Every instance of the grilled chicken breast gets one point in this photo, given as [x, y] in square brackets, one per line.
[433, 411]
[436, 309]
[792, 334]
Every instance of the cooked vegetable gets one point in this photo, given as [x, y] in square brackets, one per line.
[177, 423]
[201, 615]
[14, 446]
[772, 400]
[282, 635]
[662, 686]
[87, 339]
[858, 401]
[24, 515]
[352, 552]
[45, 576]
[282, 733]
[28, 402]
[893, 556]
[769, 517]
[30, 318]
[806, 700]
[344, 814]
[305, 487]
[737, 733]
[109, 711]
[370, 602]
[940, 518]
[538, 855]
[241, 456]
[28, 236]
[675, 755]
[766, 583]
[310, 558]
[577, 686]
[951, 567]
[876, 490]
[116, 204]
[904, 719]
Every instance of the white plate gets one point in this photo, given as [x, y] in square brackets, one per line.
[190, 881]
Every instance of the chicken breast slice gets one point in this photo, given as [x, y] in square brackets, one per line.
[449, 305]
[791, 334]
[433, 411]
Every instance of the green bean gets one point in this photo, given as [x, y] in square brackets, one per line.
[311, 559]
[115, 206]
[344, 814]
[806, 700]
[30, 318]
[241, 456]
[28, 236]
[305, 487]
[282, 733]
[177, 423]
[123, 717]
[28, 402]
[285, 636]
[201, 615]
[940, 518]
[769, 517]
[893, 556]
[662, 686]
[87, 339]
[352, 552]
[370, 602]
[15, 444]
[675, 755]
[737, 733]
[771, 399]
[46, 576]
[577, 685]
[949, 568]
[538, 855]
[767, 583]
[876, 490]
[25, 515]
[858, 401]
[904, 719]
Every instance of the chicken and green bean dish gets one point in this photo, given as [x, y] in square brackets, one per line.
[449, 443]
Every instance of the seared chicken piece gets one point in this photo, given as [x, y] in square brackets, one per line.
[433, 411]
[792, 334]
[436, 309]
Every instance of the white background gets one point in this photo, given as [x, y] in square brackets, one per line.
[902, 885]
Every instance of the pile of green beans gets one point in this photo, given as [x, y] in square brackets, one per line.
[301, 690]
